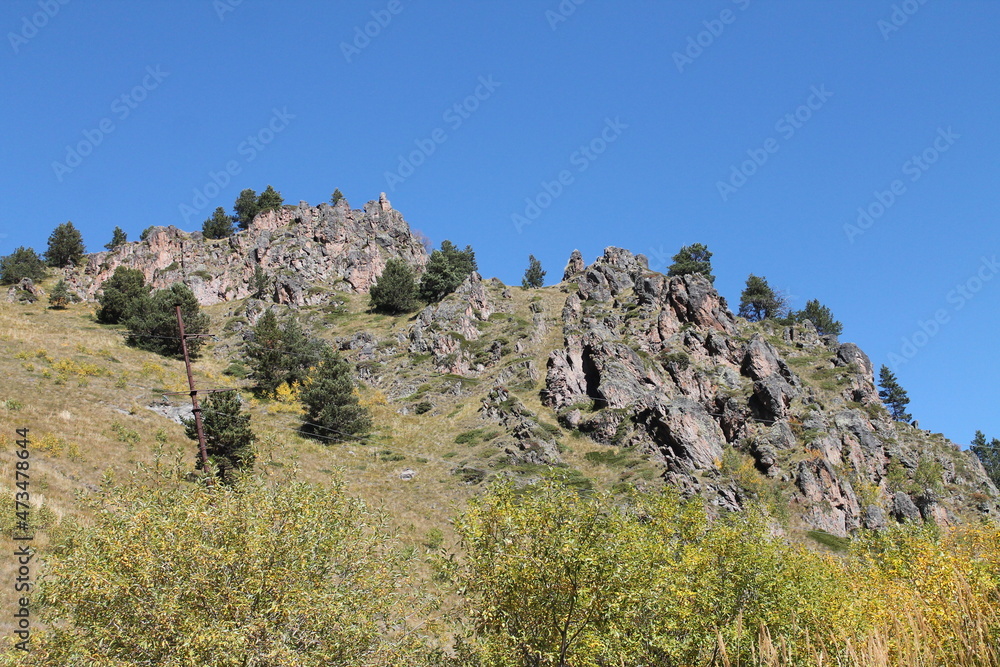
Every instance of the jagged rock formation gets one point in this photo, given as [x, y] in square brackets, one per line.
[304, 250]
[662, 365]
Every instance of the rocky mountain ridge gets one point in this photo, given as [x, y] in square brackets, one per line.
[303, 250]
[658, 366]
[656, 369]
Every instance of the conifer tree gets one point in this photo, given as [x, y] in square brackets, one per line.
[988, 454]
[759, 302]
[228, 438]
[332, 407]
[534, 276]
[118, 291]
[395, 291]
[22, 263]
[445, 271]
[336, 197]
[821, 317]
[694, 258]
[65, 246]
[61, 295]
[893, 395]
[219, 226]
[118, 237]
[260, 283]
[269, 200]
[280, 353]
[152, 321]
[246, 208]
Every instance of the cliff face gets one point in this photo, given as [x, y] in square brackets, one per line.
[304, 250]
[662, 365]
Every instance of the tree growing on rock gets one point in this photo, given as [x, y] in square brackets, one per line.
[228, 438]
[331, 402]
[395, 291]
[269, 200]
[336, 197]
[65, 246]
[118, 292]
[821, 317]
[260, 283]
[152, 321]
[893, 395]
[22, 263]
[759, 302]
[988, 454]
[534, 276]
[118, 238]
[246, 208]
[695, 258]
[446, 270]
[219, 226]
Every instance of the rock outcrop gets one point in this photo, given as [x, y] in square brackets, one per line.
[305, 252]
[660, 364]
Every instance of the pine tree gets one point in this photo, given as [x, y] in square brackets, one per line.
[534, 277]
[152, 321]
[61, 295]
[893, 395]
[336, 197]
[821, 317]
[118, 237]
[228, 438]
[395, 291]
[260, 283]
[246, 208]
[445, 271]
[332, 408]
[280, 353]
[65, 246]
[22, 263]
[988, 455]
[118, 292]
[146, 232]
[694, 258]
[759, 302]
[270, 200]
[219, 226]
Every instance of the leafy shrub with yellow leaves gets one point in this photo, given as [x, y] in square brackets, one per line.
[555, 578]
[172, 573]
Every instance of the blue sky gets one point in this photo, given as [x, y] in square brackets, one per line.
[758, 128]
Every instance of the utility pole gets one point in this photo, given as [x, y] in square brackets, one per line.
[195, 408]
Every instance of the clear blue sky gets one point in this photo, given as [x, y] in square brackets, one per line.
[666, 97]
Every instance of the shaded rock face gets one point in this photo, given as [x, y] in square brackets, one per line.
[304, 250]
[660, 364]
[526, 441]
